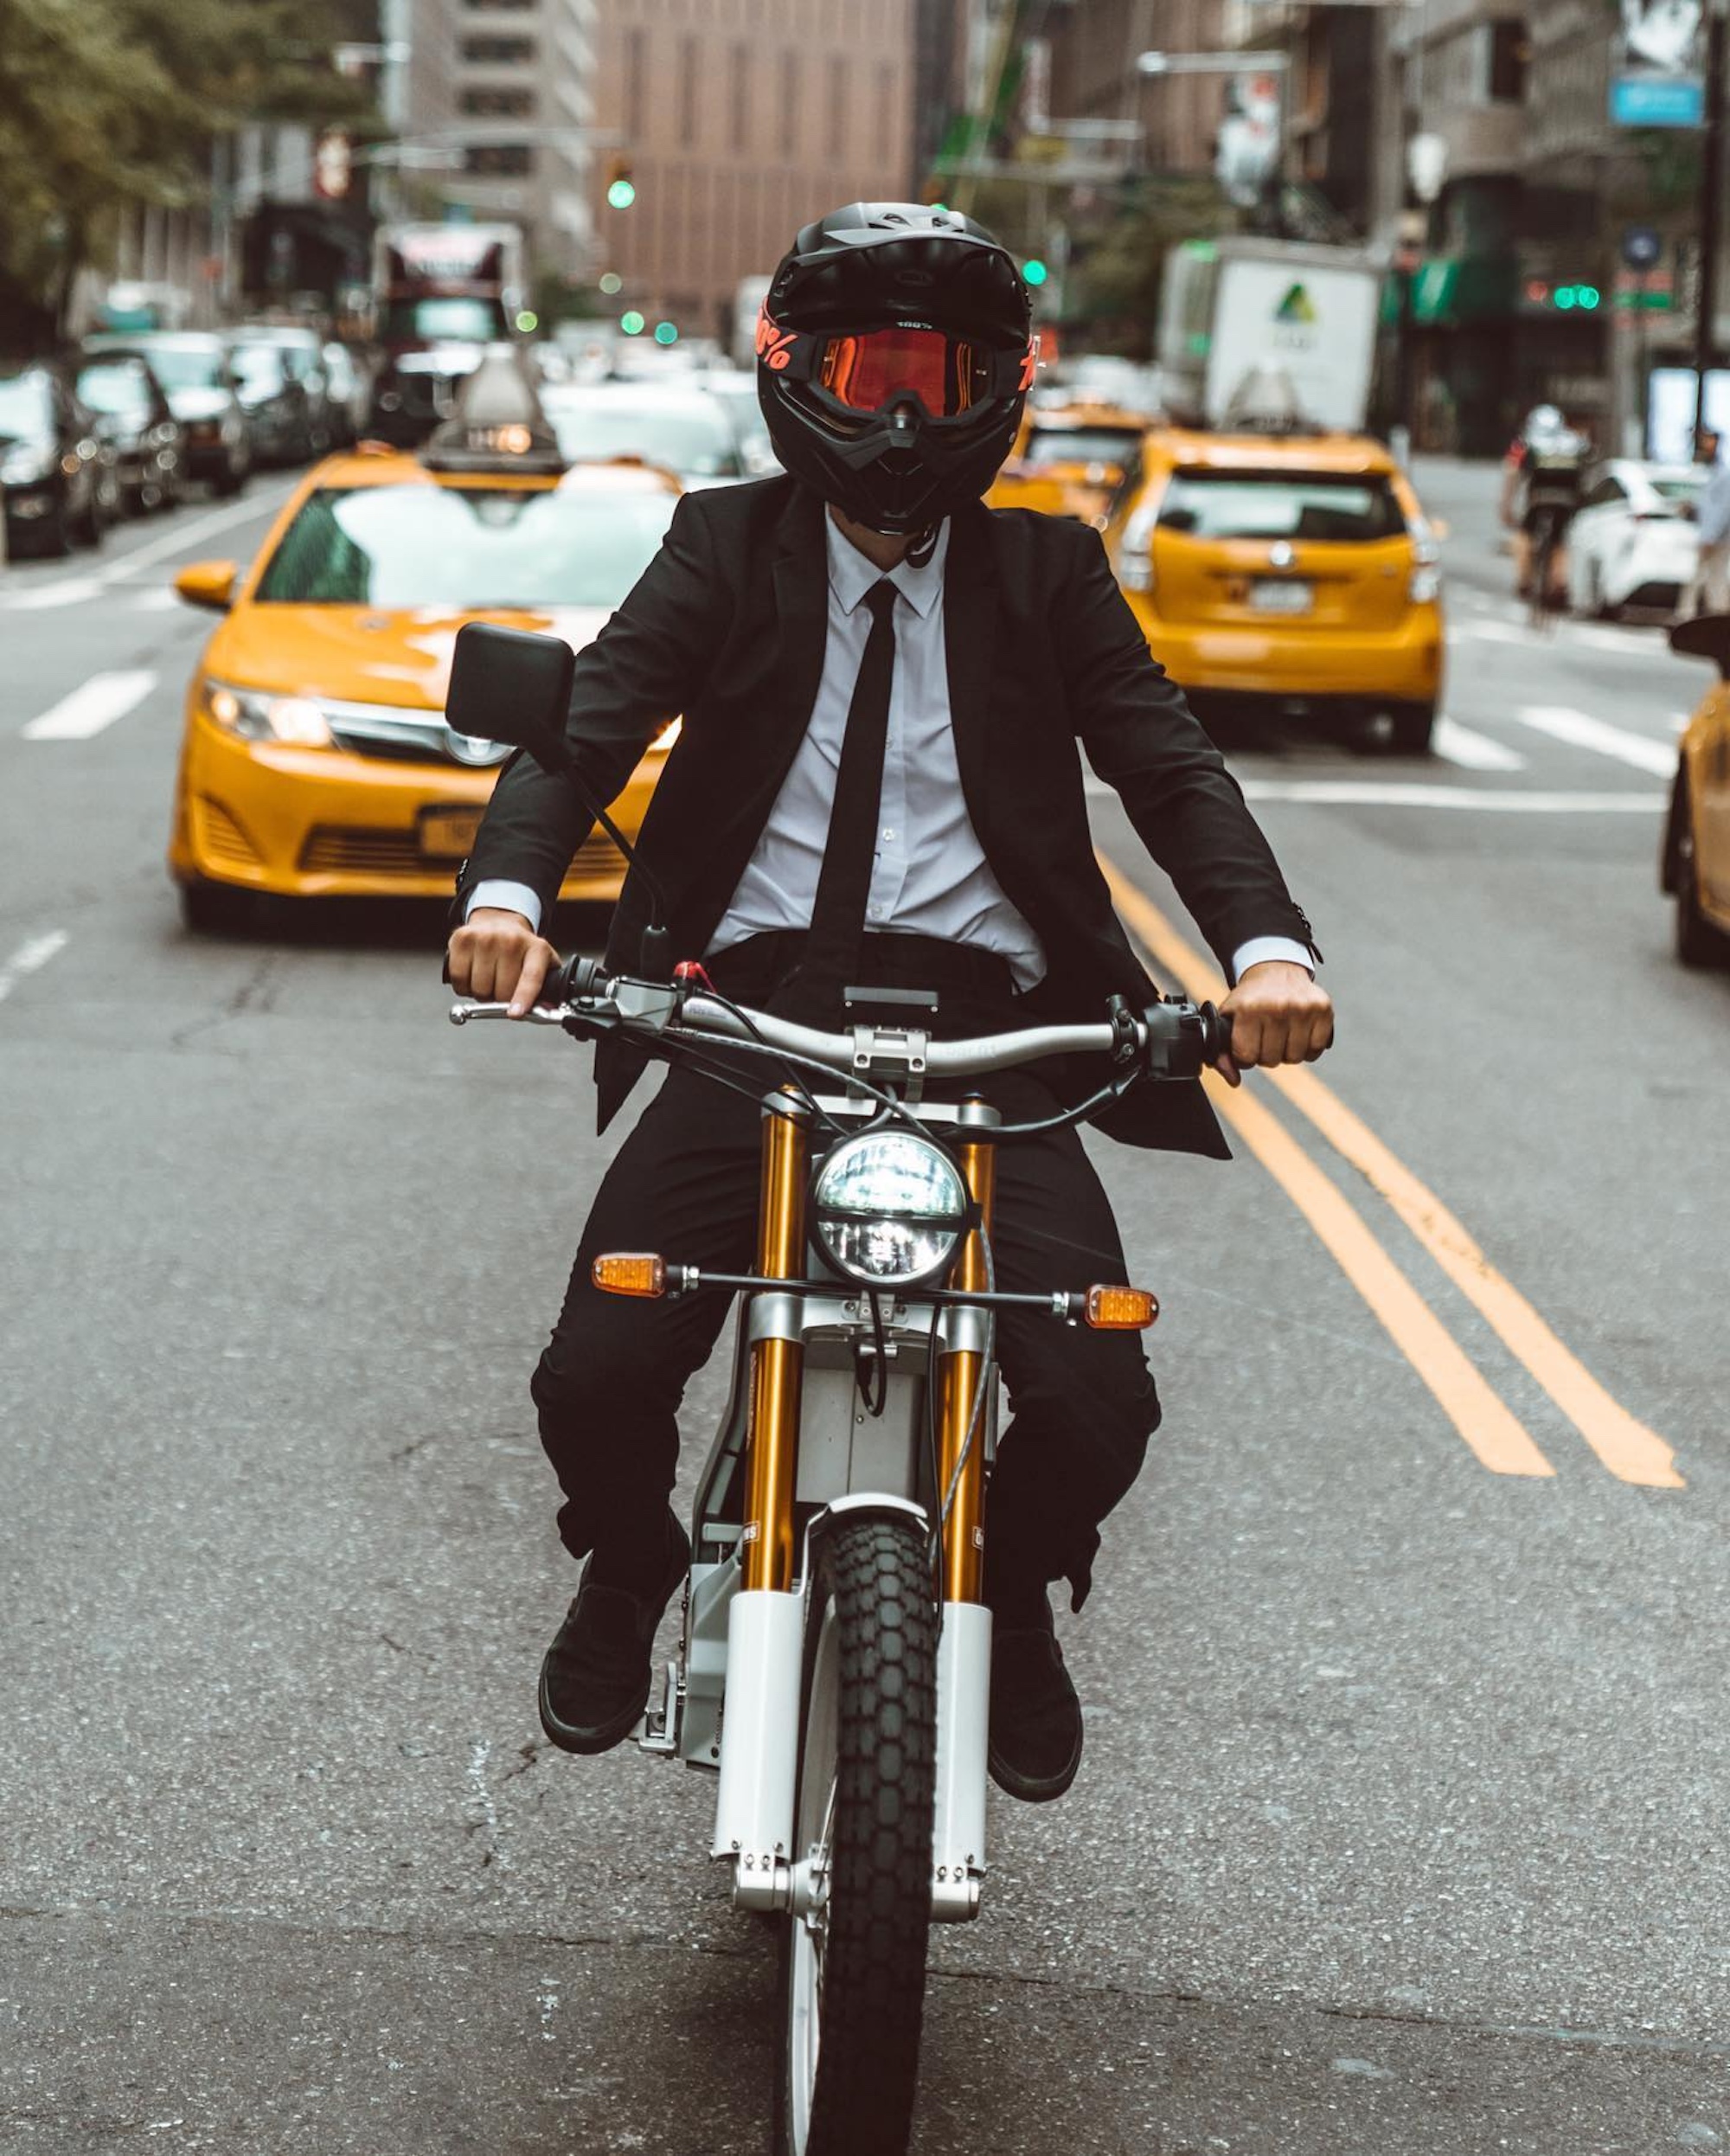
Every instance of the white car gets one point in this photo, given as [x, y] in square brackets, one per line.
[1633, 541]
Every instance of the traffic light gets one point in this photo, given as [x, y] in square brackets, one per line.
[621, 188]
[1035, 271]
[1585, 297]
[666, 332]
[631, 322]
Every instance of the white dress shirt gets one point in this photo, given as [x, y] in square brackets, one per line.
[930, 877]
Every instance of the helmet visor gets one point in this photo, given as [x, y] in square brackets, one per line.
[869, 369]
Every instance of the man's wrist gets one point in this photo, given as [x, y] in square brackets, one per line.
[498, 894]
[1271, 950]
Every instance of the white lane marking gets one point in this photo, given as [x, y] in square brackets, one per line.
[71, 591]
[1580, 730]
[92, 706]
[1421, 793]
[1392, 793]
[153, 598]
[1458, 744]
[29, 958]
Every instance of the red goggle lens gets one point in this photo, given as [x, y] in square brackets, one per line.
[865, 370]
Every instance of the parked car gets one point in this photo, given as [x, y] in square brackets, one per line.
[131, 411]
[192, 366]
[59, 479]
[302, 355]
[1633, 542]
[348, 389]
[737, 392]
[274, 403]
[676, 425]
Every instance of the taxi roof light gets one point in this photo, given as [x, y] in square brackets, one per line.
[630, 1272]
[1121, 1309]
[498, 424]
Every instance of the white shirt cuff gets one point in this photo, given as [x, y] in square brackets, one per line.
[1259, 951]
[517, 898]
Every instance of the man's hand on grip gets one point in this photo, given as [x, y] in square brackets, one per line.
[496, 957]
[1278, 1015]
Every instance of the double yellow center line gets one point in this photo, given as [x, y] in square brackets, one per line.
[1497, 1438]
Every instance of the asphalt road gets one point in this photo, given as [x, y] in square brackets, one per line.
[1400, 1830]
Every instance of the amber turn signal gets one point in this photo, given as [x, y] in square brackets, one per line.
[633, 1273]
[1120, 1309]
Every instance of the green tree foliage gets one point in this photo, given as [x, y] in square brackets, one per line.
[106, 103]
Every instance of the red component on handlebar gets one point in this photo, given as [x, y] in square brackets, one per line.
[691, 973]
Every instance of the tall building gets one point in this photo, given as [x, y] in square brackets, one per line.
[736, 122]
[498, 103]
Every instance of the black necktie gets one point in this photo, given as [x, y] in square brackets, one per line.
[850, 852]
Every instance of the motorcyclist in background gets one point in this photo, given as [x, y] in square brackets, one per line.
[1542, 480]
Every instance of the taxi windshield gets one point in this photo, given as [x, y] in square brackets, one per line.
[1081, 445]
[1281, 505]
[415, 545]
[692, 438]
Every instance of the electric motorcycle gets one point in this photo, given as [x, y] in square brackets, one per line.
[834, 1669]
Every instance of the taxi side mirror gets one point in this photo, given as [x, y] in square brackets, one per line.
[511, 686]
[208, 584]
[1706, 636]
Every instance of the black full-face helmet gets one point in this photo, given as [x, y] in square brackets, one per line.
[894, 353]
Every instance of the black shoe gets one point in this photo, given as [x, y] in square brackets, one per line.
[595, 1679]
[1036, 1741]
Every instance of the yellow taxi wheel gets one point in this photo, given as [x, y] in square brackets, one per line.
[1699, 942]
[1404, 730]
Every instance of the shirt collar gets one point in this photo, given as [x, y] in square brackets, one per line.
[851, 576]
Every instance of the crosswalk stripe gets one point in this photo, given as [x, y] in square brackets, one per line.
[1458, 744]
[92, 706]
[1580, 730]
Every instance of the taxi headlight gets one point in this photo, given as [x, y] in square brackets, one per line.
[890, 1208]
[254, 714]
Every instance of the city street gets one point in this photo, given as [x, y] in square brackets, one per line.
[1400, 1830]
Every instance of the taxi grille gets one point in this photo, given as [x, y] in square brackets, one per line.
[334, 849]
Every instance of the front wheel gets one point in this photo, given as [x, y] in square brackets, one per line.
[854, 1953]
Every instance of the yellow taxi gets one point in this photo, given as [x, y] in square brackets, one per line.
[1069, 460]
[1296, 571]
[315, 760]
[1695, 868]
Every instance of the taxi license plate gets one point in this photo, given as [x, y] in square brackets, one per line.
[448, 834]
[1281, 595]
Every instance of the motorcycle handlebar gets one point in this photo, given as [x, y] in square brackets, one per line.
[1172, 1040]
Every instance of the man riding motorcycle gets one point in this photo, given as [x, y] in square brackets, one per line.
[876, 786]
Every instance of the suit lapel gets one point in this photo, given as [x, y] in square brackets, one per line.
[969, 620]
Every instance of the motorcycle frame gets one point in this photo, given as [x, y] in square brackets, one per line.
[732, 1698]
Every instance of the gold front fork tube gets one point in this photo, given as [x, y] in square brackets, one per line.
[775, 1365]
[964, 1540]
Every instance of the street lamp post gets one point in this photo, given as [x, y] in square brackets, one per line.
[1711, 195]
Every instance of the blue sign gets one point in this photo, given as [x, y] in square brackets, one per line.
[1641, 247]
[1654, 100]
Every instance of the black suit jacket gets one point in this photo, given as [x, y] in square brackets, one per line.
[728, 625]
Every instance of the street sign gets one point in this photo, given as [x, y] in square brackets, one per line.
[1655, 70]
[1641, 246]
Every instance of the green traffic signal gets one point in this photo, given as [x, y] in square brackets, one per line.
[1035, 271]
[621, 195]
[1587, 296]
[631, 322]
[666, 332]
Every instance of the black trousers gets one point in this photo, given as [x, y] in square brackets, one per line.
[685, 1183]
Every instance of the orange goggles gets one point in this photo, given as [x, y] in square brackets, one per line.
[867, 369]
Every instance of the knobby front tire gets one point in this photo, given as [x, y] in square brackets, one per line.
[853, 1975]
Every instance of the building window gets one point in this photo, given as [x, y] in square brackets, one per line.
[634, 40]
[742, 96]
[487, 104]
[1510, 49]
[498, 160]
[500, 51]
[688, 90]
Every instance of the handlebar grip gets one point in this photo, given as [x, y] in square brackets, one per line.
[576, 977]
[1216, 1033]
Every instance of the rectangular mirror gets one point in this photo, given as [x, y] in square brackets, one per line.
[511, 686]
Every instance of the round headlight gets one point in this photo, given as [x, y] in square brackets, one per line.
[890, 1208]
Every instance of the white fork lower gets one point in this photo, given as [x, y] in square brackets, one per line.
[963, 1698]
